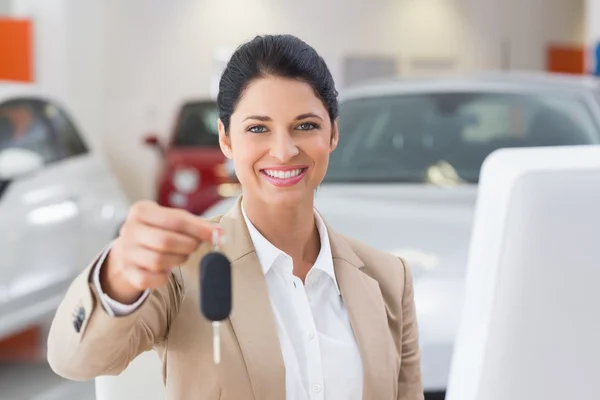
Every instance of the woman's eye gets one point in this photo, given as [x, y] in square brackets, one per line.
[257, 129]
[307, 126]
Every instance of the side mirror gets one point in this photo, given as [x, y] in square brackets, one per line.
[16, 161]
[152, 140]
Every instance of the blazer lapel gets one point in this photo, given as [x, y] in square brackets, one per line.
[252, 317]
[367, 312]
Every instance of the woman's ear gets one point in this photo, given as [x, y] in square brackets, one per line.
[224, 140]
[334, 136]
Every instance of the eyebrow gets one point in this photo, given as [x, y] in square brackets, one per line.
[266, 118]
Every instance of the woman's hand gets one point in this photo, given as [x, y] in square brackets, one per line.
[152, 241]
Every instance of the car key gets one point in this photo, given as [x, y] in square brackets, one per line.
[215, 290]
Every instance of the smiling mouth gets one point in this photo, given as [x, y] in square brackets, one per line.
[280, 174]
[284, 177]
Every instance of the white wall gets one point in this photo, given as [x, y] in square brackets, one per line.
[515, 33]
[50, 42]
[592, 28]
[86, 34]
[127, 65]
[5, 7]
[69, 57]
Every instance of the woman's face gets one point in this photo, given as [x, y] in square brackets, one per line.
[280, 137]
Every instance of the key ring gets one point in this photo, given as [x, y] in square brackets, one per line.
[217, 235]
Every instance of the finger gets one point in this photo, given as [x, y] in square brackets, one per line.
[161, 240]
[173, 219]
[153, 260]
[143, 279]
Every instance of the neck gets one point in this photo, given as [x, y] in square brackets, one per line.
[292, 230]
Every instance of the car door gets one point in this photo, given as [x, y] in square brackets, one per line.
[101, 202]
[40, 218]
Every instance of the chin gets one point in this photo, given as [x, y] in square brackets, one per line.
[288, 198]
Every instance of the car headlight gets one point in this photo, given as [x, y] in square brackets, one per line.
[186, 180]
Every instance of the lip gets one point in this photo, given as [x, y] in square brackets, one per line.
[285, 182]
[285, 167]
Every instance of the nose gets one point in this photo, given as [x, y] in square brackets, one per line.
[283, 147]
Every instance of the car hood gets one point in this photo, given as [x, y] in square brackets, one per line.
[429, 226]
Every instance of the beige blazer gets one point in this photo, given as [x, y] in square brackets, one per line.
[85, 342]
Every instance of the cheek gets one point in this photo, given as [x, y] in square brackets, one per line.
[245, 154]
[320, 149]
[242, 160]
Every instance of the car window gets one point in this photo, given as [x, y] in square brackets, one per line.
[495, 120]
[69, 137]
[24, 125]
[40, 126]
[400, 138]
[197, 126]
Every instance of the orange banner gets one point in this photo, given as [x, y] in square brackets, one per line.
[27, 346]
[566, 59]
[16, 50]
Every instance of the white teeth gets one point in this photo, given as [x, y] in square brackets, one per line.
[283, 174]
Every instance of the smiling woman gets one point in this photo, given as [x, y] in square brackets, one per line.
[315, 314]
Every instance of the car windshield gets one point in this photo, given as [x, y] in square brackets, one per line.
[197, 125]
[430, 137]
[39, 126]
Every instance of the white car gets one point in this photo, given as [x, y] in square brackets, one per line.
[409, 158]
[59, 204]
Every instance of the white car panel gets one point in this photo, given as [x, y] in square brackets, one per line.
[53, 221]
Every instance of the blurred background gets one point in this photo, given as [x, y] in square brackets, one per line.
[105, 102]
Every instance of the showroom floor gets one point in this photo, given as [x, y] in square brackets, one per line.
[38, 382]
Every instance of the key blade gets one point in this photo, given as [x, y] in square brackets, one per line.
[216, 342]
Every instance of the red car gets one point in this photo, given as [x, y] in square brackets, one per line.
[195, 174]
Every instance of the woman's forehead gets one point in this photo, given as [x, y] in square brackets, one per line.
[278, 98]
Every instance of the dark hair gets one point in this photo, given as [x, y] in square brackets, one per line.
[284, 56]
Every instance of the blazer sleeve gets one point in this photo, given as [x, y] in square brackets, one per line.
[410, 386]
[86, 342]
